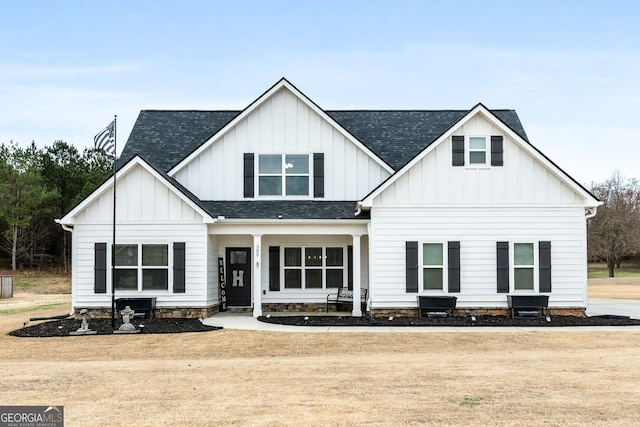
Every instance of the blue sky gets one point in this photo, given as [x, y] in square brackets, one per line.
[569, 68]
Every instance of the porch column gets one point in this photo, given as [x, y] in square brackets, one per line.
[357, 311]
[257, 277]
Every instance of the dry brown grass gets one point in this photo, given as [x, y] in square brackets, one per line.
[291, 379]
[616, 287]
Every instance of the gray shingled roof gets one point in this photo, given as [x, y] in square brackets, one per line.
[164, 138]
[283, 209]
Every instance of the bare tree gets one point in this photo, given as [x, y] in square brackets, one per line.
[614, 233]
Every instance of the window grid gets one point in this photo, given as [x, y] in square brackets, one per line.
[314, 267]
[284, 175]
[141, 267]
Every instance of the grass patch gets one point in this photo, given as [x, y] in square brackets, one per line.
[629, 268]
[32, 308]
[470, 401]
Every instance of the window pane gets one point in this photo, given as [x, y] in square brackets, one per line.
[270, 186]
[523, 278]
[313, 278]
[155, 279]
[155, 255]
[238, 257]
[477, 143]
[270, 163]
[335, 278]
[335, 257]
[293, 279]
[126, 279]
[292, 257]
[126, 255]
[297, 186]
[477, 157]
[432, 278]
[523, 253]
[313, 257]
[296, 164]
[432, 254]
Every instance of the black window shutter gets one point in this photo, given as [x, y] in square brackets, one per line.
[457, 151]
[454, 267]
[318, 174]
[179, 267]
[274, 268]
[502, 257]
[497, 158]
[350, 267]
[248, 174]
[544, 250]
[412, 266]
[100, 268]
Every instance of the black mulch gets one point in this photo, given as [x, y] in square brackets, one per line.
[450, 321]
[62, 328]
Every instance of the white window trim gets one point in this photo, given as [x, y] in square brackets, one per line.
[445, 267]
[468, 150]
[324, 267]
[283, 175]
[512, 267]
[139, 267]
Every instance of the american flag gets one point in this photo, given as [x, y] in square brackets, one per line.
[106, 139]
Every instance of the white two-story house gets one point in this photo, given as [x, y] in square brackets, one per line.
[274, 207]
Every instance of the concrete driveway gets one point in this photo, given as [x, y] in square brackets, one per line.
[619, 307]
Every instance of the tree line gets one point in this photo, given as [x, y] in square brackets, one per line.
[38, 185]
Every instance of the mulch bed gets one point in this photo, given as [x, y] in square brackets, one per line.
[451, 321]
[62, 328]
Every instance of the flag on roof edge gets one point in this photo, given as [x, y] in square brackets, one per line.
[105, 139]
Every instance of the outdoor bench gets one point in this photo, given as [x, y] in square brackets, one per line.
[345, 296]
[439, 304]
[144, 305]
[528, 303]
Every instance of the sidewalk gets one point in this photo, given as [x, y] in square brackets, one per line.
[597, 307]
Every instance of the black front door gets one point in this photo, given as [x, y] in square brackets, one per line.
[238, 283]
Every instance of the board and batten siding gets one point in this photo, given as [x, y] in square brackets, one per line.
[147, 212]
[282, 124]
[522, 179]
[141, 197]
[478, 230]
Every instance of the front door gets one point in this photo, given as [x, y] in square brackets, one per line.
[238, 283]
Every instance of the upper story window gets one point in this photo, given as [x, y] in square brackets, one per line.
[477, 150]
[283, 175]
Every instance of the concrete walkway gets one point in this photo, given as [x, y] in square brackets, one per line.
[597, 307]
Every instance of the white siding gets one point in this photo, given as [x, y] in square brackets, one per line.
[282, 124]
[478, 230]
[194, 236]
[522, 179]
[147, 212]
[140, 197]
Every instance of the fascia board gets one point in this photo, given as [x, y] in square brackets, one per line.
[283, 83]
[68, 219]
